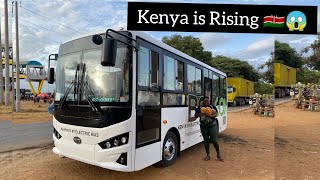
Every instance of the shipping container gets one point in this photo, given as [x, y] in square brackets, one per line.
[239, 90]
[284, 77]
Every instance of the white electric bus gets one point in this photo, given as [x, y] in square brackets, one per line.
[125, 101]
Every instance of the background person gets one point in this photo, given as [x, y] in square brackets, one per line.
[51, 106]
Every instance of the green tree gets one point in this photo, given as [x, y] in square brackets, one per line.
[287, 55]
[283, 54]
[308, 76]
[193, 47]
[314, 60]
[235, 68]
[189, 45]
[261, 87]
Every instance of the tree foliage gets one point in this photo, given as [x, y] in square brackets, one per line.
[283, 54]
[306, 76]
[189, 45]
[287, 55]
[235, 68]
[261, 87]
[314, 60]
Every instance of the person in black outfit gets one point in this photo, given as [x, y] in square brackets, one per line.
[209, 128]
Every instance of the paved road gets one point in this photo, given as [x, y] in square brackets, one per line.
[24, 136]
[240, 108]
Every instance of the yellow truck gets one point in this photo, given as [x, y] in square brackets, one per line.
[284, 77]
[239, 90]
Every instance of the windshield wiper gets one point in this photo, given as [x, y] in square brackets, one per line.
[85, 85]
[73, 83]
[66, 95]
[78, 88]
[91, 103]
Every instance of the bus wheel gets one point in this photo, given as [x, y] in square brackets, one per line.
[170, 149]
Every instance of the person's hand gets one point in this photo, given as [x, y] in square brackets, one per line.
[209, 115]
[200, 114]
[204, 114]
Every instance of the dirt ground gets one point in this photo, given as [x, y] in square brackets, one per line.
[283, 147]
[30, 113]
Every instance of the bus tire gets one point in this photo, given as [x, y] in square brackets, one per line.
[169, 149]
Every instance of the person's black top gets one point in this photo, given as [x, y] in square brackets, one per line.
[204, 120]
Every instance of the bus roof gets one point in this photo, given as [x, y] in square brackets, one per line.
[157, 43]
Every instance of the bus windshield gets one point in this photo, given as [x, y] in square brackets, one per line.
[104, 84]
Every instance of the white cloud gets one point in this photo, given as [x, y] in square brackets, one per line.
[261, 45]
[259, 50]
[213, 40]
[298, 42]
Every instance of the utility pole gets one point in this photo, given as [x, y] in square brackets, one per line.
[17, 63]
[6, 34]
[1, 70]
[12, 86]
[12, 75]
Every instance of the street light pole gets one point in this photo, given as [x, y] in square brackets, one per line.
[6, 34]
[1, 70]
[17, 63]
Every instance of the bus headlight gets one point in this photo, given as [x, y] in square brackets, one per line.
[108, 145]
[115, 141]
[123, 140]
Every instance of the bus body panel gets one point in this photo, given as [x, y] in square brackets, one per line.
[175, 117]
[147, 155]
[222, 123]
[193, 134]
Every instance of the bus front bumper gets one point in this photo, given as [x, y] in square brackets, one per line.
[107, 165]
[105, 158]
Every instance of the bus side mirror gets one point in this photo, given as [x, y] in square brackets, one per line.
[109, 53]
[51, 76]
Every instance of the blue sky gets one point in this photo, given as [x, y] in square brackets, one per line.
[74, 16]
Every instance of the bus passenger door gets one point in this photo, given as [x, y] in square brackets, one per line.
[148, 119]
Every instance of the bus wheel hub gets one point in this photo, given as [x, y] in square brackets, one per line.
[169, 149]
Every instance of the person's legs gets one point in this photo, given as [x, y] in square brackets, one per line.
[213, 132]
[206, 140]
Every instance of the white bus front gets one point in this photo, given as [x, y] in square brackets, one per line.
[93, 105]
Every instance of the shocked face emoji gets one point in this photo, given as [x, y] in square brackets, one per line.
[296, 20]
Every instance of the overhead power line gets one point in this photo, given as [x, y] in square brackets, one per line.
[30, 33]
[43, 27]
[51, 20]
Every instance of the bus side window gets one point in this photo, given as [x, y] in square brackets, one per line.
[143, 66]
[179, 75]
[198, 81]
[191, 71]
[192, 107]
[173, 74]
[215, 85]
[208, 84]
[154, 69]
[148, 77]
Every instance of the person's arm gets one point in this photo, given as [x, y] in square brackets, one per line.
[198, 112]
[214, 114]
